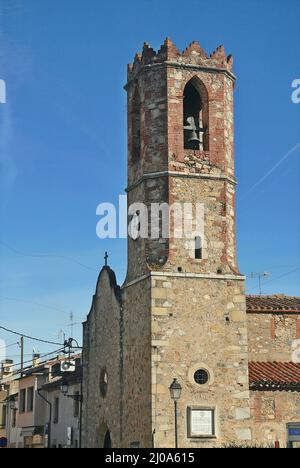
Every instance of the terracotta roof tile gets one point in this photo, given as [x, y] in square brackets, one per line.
[274, 376]
[273, 304]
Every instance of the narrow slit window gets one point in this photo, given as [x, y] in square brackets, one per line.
[198, 248]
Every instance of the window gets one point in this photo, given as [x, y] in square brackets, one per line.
[3, 418]
[76, 404]
[107, 440]
[195, 115]
[22, 401]
[201, 377]
[201, 422]
[198, 248]
[56, 411]
[103, 382]
[30, 395]
[136, 126]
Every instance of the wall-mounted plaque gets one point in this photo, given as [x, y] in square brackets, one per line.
[201, 422]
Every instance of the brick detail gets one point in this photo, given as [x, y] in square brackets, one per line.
[298, 329]
[273, 328]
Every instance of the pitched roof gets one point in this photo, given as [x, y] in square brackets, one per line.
[274, 376]
[273, 304]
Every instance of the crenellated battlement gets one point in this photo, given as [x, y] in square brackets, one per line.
[192, 55]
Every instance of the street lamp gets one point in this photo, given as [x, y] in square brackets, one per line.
[64, 388]
[65, 391]
[175, 393]
[12, 403]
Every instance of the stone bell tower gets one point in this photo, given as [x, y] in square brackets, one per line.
[184, 298]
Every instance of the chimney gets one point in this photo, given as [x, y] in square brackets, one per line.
[36, 359]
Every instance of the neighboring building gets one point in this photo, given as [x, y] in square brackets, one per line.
[33, 410]
[28, 424]
[274, 331]
[182, 310]
[3, 413]
[9, 432]
[65, 427]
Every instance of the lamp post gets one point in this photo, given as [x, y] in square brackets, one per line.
[175, 393]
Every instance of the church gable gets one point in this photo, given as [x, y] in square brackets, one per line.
[102, 357]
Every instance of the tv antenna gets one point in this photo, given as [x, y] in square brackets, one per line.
[260, 277]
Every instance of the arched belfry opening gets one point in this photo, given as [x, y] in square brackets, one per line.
[107, 440]
[136, 126]
[195, 116]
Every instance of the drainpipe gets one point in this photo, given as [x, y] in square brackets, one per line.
[81, 409]
[50, 415]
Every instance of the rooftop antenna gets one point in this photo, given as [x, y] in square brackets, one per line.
[260, 277]
[72, 324]
[62, 336]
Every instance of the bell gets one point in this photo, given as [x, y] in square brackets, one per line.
[194, 138]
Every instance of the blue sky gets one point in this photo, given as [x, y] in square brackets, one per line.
[63, 142]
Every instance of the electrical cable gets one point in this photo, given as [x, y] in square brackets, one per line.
[30, 337]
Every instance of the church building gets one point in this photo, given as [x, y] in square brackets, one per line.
[180, 337]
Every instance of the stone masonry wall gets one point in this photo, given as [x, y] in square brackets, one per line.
[136, 396]
[271, 336]
[200, 323]
[272, 411]
[160, 79]
[102, 350]
[217, 230]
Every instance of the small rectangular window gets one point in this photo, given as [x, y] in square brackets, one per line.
[201, 422]
[3, 418]
[30, 396]
[198, 248]
[22, 401]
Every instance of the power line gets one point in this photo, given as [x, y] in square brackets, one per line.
[277, 278]
[5, 298]
[267, 175]
[18, 355]
[41, 357]
[10, 346]
[30, 337]
[16, 372]
[61, 257]
[282, 276]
